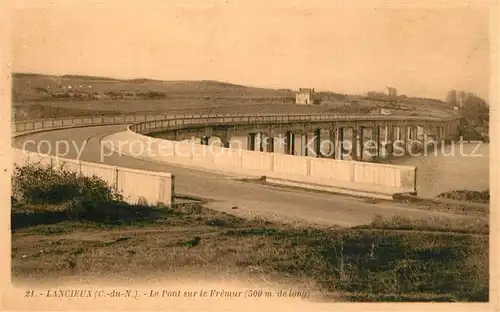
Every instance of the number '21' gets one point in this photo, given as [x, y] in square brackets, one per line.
[29, 293]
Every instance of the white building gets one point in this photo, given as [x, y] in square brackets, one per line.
[305, 96]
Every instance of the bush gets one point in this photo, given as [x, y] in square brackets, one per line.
[473, 196]
[42, 184]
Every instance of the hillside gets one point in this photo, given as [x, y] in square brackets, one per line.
[29, 87]
[36, 96]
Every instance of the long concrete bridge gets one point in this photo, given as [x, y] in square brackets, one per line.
[304, 135]
[223, 189]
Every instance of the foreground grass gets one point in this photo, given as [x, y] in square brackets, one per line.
[65, 224]
[380, 262]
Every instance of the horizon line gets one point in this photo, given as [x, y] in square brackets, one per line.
[111, 77]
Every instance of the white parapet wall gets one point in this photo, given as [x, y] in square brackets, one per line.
[136, 186]
[351, 177]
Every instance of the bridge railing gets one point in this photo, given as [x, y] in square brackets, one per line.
[41, 124]
[51, 123]
[193, 120]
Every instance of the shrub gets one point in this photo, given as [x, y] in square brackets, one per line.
[474, 196]
[42, 184]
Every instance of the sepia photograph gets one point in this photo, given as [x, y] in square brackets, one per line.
[208, 155]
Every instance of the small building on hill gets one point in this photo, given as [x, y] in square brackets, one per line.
[305, 96]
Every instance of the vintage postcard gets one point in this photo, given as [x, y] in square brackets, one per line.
[249, 155]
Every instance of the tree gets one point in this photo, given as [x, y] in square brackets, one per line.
[451, 98]
[475, 107]
[477, 112]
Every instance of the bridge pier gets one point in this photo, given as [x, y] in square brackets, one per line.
[317, 142]
[418, 135]
[354, 143]
[263, 142]
[390, 135]
[447, 133]
[286, 143]
[270, 145]
[341, 143]
[401, 140]
[417, 139]
[395, 139]
[251, 141]
[204, 140]
[225, 142]
[439, 134]
[303, 144]
[376, 138]
[297, 144]
[333, 141]
[361, 143]
[411, 138]
[410, 146]
[406, 138]
[289, 143]
[260, 140]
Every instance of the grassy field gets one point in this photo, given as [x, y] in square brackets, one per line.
[375, 263]
[34, 87]
[32, 99]
[68, 225]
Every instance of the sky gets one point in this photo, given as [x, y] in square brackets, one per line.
[421, 52]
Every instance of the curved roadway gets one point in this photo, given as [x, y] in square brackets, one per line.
[224, 192]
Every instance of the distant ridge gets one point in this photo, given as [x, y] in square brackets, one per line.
[90, 77]
[214, 83]
[20, 75]
[35, 86]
